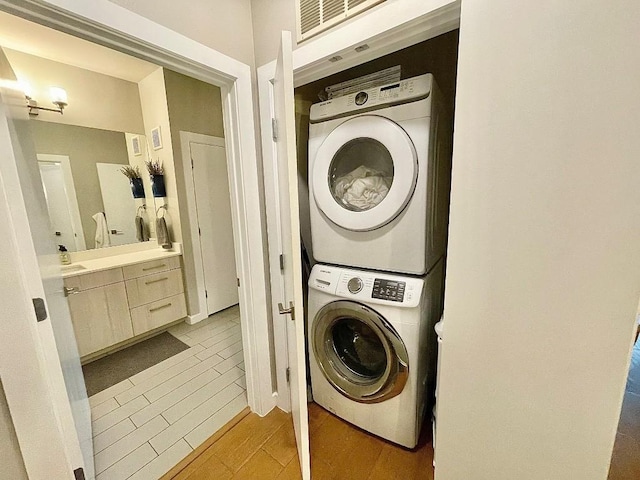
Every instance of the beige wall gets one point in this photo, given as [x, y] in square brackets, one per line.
[196, 107]
[270, 17]
[155, 112]
[542, 278]
[219, 24]
[95, 100]
[85, 147]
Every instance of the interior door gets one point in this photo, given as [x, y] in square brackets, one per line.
[284, 110]
[54, 414]
[213, 203]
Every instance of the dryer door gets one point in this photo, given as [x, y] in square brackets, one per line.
[359, 352]
[364, 173]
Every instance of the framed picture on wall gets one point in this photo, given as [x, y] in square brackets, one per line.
[135, 145]
[156, 138]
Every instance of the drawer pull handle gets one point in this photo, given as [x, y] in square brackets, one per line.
[156, 281]
[71, 291]
[154, 267]
[160, 307]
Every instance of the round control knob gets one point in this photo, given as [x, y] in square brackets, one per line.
[361, 98]
[355, 285]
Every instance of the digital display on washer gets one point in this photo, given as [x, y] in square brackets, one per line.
[388, 290]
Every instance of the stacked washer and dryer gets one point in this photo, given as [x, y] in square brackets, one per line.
[379, 181]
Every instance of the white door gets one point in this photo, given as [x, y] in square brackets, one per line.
[119, 204]
[284, 109]
[213, 205]
[39, 362]
[57, 204]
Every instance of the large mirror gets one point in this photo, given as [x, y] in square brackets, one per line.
[83, 150]
[90, 200]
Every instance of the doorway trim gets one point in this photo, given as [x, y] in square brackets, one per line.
[385, 29]
[110, 25]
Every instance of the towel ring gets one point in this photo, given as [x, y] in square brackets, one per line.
[161, 207]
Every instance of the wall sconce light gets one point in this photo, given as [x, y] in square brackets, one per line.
[58, 98]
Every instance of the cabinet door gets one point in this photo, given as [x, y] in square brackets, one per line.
[100, 317]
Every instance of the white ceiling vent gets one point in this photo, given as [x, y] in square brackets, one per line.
[314, 16]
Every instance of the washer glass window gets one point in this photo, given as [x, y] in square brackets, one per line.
[361, 174]
[359, 348]
[359, 352]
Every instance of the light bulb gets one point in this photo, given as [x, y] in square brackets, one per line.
[58, 96]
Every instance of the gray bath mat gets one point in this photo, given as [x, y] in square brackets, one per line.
[107, 371]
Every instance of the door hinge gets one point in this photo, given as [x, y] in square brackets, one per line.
[288, 374]
[199, 231]
[274, 129]
[238, 281]
[282, 262]
[78, 474]
[40, 309]
[206, 294]
[192, 162]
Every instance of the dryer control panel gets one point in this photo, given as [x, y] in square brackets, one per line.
[404, 91]
[367, 286]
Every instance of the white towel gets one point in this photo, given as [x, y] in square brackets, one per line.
[102, 231]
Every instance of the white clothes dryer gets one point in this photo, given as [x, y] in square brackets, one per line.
[379, 177]
[372, 347]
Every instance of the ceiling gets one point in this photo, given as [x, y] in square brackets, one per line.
[24, 36]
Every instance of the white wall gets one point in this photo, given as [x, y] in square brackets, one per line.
[270, 17]
[542, 278]
[11, 463]
[95, 100]
[222, 25]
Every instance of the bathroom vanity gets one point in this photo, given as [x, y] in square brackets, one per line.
[114, 300]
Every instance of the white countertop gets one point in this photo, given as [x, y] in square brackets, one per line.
[115, 261]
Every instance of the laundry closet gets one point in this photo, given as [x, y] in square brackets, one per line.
[374, 181]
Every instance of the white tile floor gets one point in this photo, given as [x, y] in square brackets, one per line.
[146, 424]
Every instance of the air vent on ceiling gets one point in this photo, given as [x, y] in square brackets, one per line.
[314, 16]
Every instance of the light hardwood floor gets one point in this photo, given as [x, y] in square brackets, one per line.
[264, 449]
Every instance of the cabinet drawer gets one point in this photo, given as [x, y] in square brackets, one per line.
[154, 266]
[93, 280]
[154, 287]
[157, 314]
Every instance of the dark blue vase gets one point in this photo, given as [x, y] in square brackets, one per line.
[137, 188]
[157, 186]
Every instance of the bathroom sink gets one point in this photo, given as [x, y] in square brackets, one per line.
[72, 268]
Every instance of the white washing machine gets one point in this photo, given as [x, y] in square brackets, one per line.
[379, 177]
[372, 347]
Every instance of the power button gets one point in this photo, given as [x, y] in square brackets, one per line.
[361, 98]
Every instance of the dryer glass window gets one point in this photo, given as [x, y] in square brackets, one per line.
[359, 348]
[361, 174]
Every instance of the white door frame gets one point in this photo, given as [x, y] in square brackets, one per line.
[72, 198]
[387, 28]
[196, 273]
[110, 25]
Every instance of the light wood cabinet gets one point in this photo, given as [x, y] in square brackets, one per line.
[100, 316]
[112, 306]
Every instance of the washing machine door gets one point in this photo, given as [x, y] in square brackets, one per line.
[364, 173]
[359, 352]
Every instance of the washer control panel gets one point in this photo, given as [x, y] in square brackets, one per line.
[388, 289]
[404, 91]
[367, 286]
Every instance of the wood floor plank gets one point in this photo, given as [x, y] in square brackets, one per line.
[247, 437]
[211, 469]
[282, 444]
[261, 466]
